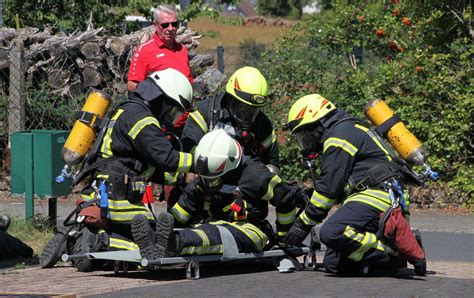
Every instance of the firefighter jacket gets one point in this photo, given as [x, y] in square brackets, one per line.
[243, 197]
[211, 113]
[350, 152]
[138, 151]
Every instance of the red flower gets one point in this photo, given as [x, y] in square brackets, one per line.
[389, 58]
[379, 32]
[419, 69]
[395, 12]
[392, 45]
[395, 1]
[361, 18]
[400, 49]
[406, 21]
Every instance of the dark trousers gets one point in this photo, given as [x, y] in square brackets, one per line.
[350, 237]
[206, 238]
[11, 247]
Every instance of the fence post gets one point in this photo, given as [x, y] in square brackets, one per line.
[220, 59]
[16, 100]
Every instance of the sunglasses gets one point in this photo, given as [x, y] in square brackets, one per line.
[166, 25]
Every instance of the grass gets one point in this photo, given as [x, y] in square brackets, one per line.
[230, 36]
[36, 234]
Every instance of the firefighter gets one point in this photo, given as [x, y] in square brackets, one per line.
[11, 247]
[357, 171]
[232, 192]
[135, 149]
[238, 112]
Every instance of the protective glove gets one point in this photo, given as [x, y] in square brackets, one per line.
[419, 265]
[297, 233]
[300, 196]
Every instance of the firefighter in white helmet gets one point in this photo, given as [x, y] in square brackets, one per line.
[231, 192]
[135, 149]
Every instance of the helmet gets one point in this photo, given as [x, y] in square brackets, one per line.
[308, 109]
[216, 154]
[175, 85]
[249, 89]
[248, 85]
[305, 112]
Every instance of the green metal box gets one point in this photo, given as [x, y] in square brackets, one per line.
[36, 159]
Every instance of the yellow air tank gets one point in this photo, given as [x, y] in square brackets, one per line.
[83, 132]
[402, 140]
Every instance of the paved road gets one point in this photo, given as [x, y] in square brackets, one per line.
[448, 239]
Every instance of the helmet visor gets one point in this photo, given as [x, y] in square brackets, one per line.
[243, 112]
[308, 141]
[174, 115]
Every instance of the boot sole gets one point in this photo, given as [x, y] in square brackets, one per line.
[164, 229]
[143, 236]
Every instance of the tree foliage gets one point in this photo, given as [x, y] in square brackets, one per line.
[398, 51]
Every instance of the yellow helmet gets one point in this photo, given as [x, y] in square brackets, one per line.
[248, 85]
[308, 109]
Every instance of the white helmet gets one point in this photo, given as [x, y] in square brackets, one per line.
[175, 85]
[216, 154]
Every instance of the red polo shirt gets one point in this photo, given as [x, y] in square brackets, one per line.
[153, 55]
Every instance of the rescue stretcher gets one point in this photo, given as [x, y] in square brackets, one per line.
[286, 259]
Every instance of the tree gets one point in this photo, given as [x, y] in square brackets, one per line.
[423, 73]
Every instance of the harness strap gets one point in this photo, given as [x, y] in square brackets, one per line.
[389, 123]
[374, 177]
[229, 246]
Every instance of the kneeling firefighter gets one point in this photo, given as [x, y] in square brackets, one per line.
[238, 112]
[231, 192]
[132, 149]
[358, 171]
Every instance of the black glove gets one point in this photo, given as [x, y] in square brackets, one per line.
[300, 196]
[297, 233]
[419, 265]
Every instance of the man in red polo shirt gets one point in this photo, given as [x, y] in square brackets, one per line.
[161, 51]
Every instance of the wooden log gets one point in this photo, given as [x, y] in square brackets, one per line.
[91, 50]
[76, 89]
[118, 45]
[91, 77]
[58, 78]
[202, 60]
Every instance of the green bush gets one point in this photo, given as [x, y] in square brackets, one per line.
[355, 53]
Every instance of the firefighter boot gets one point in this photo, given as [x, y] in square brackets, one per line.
[4, 222]
[144, 237]
[167, 242]
[419, 265]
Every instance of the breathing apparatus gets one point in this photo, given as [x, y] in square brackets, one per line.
[89, 120]
[389, 124]
[167, 93]
[309, 111]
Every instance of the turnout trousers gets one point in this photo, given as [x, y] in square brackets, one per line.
[350, 235]
[206, 238]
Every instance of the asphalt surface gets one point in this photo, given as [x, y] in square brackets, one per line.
[448, 239]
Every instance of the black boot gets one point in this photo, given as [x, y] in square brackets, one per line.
[167, 241]
[4, 222]
[144, 237]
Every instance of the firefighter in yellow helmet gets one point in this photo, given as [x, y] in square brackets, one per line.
[238, 112]
[357, 171]
[233, 192]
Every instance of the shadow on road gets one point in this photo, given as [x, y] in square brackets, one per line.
[208, 270]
